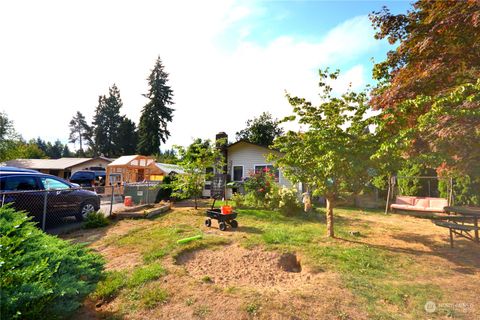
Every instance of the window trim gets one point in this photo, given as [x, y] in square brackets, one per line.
[233, 172]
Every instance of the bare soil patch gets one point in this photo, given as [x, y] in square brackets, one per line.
[235, 265]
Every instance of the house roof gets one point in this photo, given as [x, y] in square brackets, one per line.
[129, 161]
[169, 168]
[248, 142]
[49, 164]
[124, 160]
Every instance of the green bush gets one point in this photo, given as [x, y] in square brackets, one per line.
[288, 203]
[272, 198]
[96, 220]
[238, 200]
[41, 275]
[466, 190]
[259, 184]
[251, 201]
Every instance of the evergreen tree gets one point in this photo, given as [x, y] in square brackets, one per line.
[66, 152]
[127, 137]
[55, 150]
[41, 144]
[156, 113]
[79, 131]
[107, 121]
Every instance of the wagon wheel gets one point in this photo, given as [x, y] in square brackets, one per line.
[222, 226]
[234, 224]
[208, 222]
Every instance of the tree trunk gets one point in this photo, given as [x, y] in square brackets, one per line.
[329, 213]
[195, 201]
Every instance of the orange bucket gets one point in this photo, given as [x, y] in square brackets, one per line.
[128, 201]
[226, 209]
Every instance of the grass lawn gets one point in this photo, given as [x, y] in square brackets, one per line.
[277, 267]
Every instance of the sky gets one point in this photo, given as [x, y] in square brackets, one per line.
[228, 61]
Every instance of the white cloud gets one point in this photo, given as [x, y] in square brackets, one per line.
[58, 56]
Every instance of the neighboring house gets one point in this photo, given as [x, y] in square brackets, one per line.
[63, 167]
[138, 168]
[244, 158]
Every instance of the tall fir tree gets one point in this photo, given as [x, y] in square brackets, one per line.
[55, 150]
[107, 121]
[127, 137]
[66, 151]
[156, 113]
[80, 131]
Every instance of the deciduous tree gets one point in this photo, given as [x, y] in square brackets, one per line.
[262, 130]
[428, 85]
[195, 159]
[332, 156]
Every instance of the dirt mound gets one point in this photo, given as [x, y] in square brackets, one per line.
[234, 265]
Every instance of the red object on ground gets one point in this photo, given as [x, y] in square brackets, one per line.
[128, 201]
[226, 209]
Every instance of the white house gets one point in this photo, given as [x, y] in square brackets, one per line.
[244, 158]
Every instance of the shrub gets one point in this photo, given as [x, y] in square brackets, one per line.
[238, 200]
[259, 184]
[288, 203]
[41, 274]
[465, 190]
[96, 220]
[272, 198]
[252, 201]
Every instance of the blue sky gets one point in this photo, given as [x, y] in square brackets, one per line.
[228, 60]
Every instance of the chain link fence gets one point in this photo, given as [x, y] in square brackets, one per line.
[57, 207]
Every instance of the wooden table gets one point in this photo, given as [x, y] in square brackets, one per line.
[471, 213]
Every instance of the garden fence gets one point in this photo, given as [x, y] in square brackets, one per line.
[56, 207]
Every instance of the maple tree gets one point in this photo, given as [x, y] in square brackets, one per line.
[427, 87]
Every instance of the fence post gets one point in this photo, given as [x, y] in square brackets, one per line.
[3, 199]
[111, 200]
[44, 218]
[148, 189]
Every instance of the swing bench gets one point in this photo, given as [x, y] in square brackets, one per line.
[415, 204]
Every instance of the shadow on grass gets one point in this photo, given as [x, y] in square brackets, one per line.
[464, 255]
[252, 230]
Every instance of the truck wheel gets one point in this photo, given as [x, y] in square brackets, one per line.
[234, 224]
[222, 226]
[208, 222]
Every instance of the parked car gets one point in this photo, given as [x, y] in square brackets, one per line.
[88, 178]
[15, 169]
[27, 191]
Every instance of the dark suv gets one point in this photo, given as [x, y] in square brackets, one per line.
[88, 178]
[27, 191]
